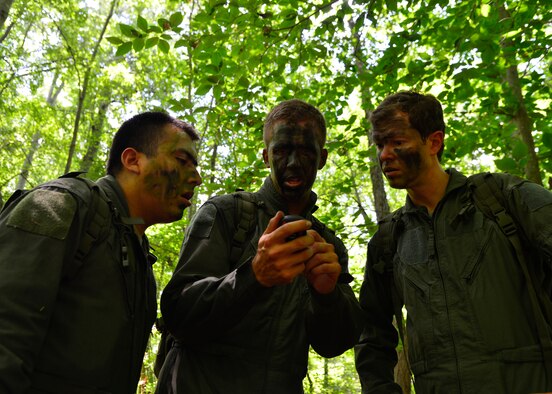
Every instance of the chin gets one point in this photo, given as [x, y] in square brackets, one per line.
[396, 183]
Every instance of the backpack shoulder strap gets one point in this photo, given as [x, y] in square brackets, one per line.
[389, 229]
[99, 211]
[245, 216]
[386, 240]
[489, 197]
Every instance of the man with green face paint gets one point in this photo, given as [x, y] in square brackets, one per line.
[77, 291]
[474, 323]
[246, 327]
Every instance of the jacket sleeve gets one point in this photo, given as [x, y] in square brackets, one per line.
[375, 354]
[33, 245]
[334, 321]
[206, 296]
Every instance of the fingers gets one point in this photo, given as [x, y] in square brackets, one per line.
[323, 268]
[278, 261]
[274, 223]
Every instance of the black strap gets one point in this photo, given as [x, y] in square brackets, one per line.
[488, 194]
[246, 215]
[96, 219]
[388, 234]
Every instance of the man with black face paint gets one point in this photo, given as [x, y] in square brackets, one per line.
[77, 293]
[471, 326]
[246, 327]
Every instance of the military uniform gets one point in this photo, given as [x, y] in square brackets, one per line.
[469, 322]
[68, 323]
[236, 336]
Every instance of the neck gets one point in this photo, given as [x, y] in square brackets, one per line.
[130, 193]
[430, 189]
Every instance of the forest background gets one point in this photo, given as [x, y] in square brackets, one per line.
[71, 71]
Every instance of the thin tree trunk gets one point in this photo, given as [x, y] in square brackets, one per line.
[326, 384]
[5, 6]
[35, 141]
[96, 132]
[27, 164]
[82, 93]
[520, 117]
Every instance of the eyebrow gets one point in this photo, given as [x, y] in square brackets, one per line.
[182, 151]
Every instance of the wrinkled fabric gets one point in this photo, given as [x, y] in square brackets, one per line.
[470, 328]
[233, 334]
[67, 328]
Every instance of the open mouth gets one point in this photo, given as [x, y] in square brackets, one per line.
[293, 182]
[187, 197]
[390, 171]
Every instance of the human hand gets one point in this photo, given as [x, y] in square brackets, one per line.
[278, 261]
[323, 268]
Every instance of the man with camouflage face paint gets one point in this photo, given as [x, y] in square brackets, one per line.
[246, 327]
[471, 326]
[77, 291]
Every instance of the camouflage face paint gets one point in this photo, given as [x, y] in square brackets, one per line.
[294, 155]
[171, 176]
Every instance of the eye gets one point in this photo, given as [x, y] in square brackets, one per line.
[279, 151]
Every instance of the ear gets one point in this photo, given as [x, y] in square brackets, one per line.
[323, 158]
[131, 160]
[435, 141]
[265, 158]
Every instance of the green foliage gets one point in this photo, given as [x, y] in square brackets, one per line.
[222, 65]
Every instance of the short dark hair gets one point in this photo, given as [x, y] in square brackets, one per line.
[295, 111]
[143, 133]
[424, 112]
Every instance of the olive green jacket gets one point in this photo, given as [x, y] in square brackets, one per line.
[236, 336]
[68, 326]
[469, 322]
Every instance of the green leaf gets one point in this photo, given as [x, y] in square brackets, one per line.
[203, 90]
[176, 19]
[114, 40]
[243, 81]
[181, 43]
[124, 48]
[547, 140]
[142, 23]
[138, 44]
[163, 46]
[214, 79]
[152, 41]
[520, 150]
[128, 30]
[164, 23]
[186, 103]
[506, 164]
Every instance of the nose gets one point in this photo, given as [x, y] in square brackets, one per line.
[293, 159]
[195, 178]
[385, 153]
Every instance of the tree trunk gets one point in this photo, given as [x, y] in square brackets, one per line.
[5, 6]
[84, 87]
[520, 117]
[326, 384]
[27, 164]
[35, 140]
[96, 132]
